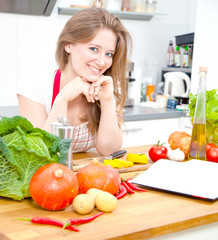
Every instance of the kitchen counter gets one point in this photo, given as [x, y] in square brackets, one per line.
[135, 113]
[143, 215]
[9, 111]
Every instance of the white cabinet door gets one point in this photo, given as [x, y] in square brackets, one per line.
[136, 133]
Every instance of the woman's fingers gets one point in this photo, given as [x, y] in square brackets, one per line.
[103, 83]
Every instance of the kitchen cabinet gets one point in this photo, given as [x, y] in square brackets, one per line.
[30, 7]
[151, 131]
[120, 14]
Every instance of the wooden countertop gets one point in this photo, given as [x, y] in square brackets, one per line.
[143, 215]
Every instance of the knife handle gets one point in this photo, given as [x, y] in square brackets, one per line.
[118, 154]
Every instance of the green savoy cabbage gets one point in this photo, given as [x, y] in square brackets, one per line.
[24, 149]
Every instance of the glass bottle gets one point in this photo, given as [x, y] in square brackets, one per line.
[177, 57]
[126, 5]
[170, 55]
[97, 3]
[185, 63]
[198, 139]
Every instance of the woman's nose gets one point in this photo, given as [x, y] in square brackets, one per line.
[100, 60]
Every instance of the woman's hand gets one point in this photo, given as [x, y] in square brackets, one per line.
[76, 87]
[102, 89]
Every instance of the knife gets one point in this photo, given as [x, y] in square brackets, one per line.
[117, 154]
[114, 155]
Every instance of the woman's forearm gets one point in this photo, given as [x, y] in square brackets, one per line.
[59, 108]
[109, 136]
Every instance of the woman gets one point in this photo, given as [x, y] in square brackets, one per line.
[89, 88]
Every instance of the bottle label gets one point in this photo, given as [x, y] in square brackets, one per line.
[185, 60]
[150, 95]
[170, 59]
[177, 60]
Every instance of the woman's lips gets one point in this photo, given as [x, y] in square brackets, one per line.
[94, 69]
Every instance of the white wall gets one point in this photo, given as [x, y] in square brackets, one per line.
[205, 48]
[28, 42]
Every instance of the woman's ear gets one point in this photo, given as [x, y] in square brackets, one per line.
[67, 48]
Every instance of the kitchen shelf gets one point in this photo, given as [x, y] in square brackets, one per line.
[120, 14]
[178, 69]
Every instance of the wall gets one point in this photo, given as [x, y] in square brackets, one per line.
[27, 43]
[206, 39]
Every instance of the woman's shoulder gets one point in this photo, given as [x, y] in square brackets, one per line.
[35, 77]
[37, 85]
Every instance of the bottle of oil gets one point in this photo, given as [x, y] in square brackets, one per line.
[198, 140]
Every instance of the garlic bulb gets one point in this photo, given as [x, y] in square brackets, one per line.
[176, 155]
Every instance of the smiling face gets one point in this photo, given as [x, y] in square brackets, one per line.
[90, 60]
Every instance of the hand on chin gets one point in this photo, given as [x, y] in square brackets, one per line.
[90, 79]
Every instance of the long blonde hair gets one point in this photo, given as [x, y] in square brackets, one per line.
[82, 27]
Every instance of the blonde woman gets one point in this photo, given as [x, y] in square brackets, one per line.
[89, 88]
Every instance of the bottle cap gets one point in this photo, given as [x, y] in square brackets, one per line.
[203, 69]
[186, 48]
[177, 48]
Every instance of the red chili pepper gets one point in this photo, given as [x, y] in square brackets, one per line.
[81, 220]
[49, 221]
[129, 190]
[122, 192]
[134, 187]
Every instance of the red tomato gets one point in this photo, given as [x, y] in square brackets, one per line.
[212, 154]
[157, 152]
[210, 145]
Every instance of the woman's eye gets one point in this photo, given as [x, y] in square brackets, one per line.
[109, 54]
[94, 49]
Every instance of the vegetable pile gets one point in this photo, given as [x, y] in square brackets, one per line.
[24, 149]
[211, 114]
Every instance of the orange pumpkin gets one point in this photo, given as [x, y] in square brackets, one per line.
[97, 175]
[53, 186]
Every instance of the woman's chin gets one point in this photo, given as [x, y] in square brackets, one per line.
[91, 78]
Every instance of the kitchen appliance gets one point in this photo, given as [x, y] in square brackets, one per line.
[129, 84]
[176, 84]
[31, 7]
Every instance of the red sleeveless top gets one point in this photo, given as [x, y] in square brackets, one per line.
[82, 140]
[56, 86]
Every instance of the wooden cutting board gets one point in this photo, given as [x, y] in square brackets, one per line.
[79, 162]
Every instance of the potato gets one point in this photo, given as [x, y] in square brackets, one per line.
[83, 203]
[106, 202]
[93, 192]
[180, 139]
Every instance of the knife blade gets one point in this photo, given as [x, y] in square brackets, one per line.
[114, 155]
[117, 154]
